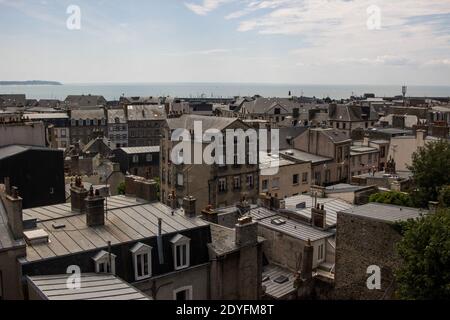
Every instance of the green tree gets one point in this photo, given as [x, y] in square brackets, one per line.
[444, 197]
[121, 188]
[392, 197]
[431, 170]
[425, 250]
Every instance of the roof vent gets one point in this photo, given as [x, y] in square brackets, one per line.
[36, 236]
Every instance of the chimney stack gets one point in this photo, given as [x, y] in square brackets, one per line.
[420, 138]
[95, 209]
[189, 206]
[307, 261]
[209, 214]
[319, 216]
[77, 195]
[13, 207]
[246, 232]
[366, 141]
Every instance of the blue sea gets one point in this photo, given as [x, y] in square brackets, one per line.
[187, 90]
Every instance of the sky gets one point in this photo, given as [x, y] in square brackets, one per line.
[375, 42]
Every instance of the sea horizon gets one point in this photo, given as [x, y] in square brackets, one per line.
[113, 90]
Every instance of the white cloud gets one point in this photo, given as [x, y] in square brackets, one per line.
[438, 62]
[206, 7]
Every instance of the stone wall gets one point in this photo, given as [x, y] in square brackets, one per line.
[360, 243]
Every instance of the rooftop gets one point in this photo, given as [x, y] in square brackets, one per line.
[385, 212]
[274, 289]
[93, 286]
[187, 122]
[302, 205]
[136, 150]
[146, 112]
[126, 221]
[304, 156]
[293, 228]
[12, 150]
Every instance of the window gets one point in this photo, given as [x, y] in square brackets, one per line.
[182, 294]
[135, 158]
[88, 122]
[180, 179]
[275, 183]
[103, 122]
[148, 157]
[382, 152]
[95, 122]
[63, 133]
[237, 182]
[277, 111]
[73, 122]
[320, 252]
[142, 257]
[370, 158]
[105, 262]
[80, 123]
[250, 181]
[222, 184]
[327, 176]
[305, 177]
[295, 179]
[265, 185]
[181, 254]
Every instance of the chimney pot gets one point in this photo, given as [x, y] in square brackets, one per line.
[246, 231]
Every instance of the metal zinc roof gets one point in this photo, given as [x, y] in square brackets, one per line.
[385, 212]
[332, 206]
[293, 228]
[92, 287]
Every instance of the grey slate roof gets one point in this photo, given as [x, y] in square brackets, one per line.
[87, 114]
[304, 156]
[118, 114]
[334, 135]
[11, 150]
[123, 224]
[332, 206]
[385, 212]
[136, 150]
[292, 228]
[187, 122]
[93, 287]
[146, 112]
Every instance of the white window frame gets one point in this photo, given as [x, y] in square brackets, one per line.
[139, 251]
[149, 157]
[186, 288]
[266, 183]
[250, 180]
[321, 252]
[135, 158]
[222, 184]
[180, 241]
[103, 258]
[276, 183]
[180, 179]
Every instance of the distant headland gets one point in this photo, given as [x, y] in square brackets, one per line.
[30, 83]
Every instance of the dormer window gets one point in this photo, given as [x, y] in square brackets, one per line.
[142, 257]
[105, 262]
[181, 251]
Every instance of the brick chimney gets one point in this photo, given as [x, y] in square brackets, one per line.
[189, 206]
[246, 232]
[307, 261]
[77, 195]
[209, 214]
[319, 216]
[13, 206]
[95, 209]
[141, 188]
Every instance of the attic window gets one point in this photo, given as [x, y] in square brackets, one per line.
[142, 257]
[281, 279]
[105, 262]
[181, 251]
